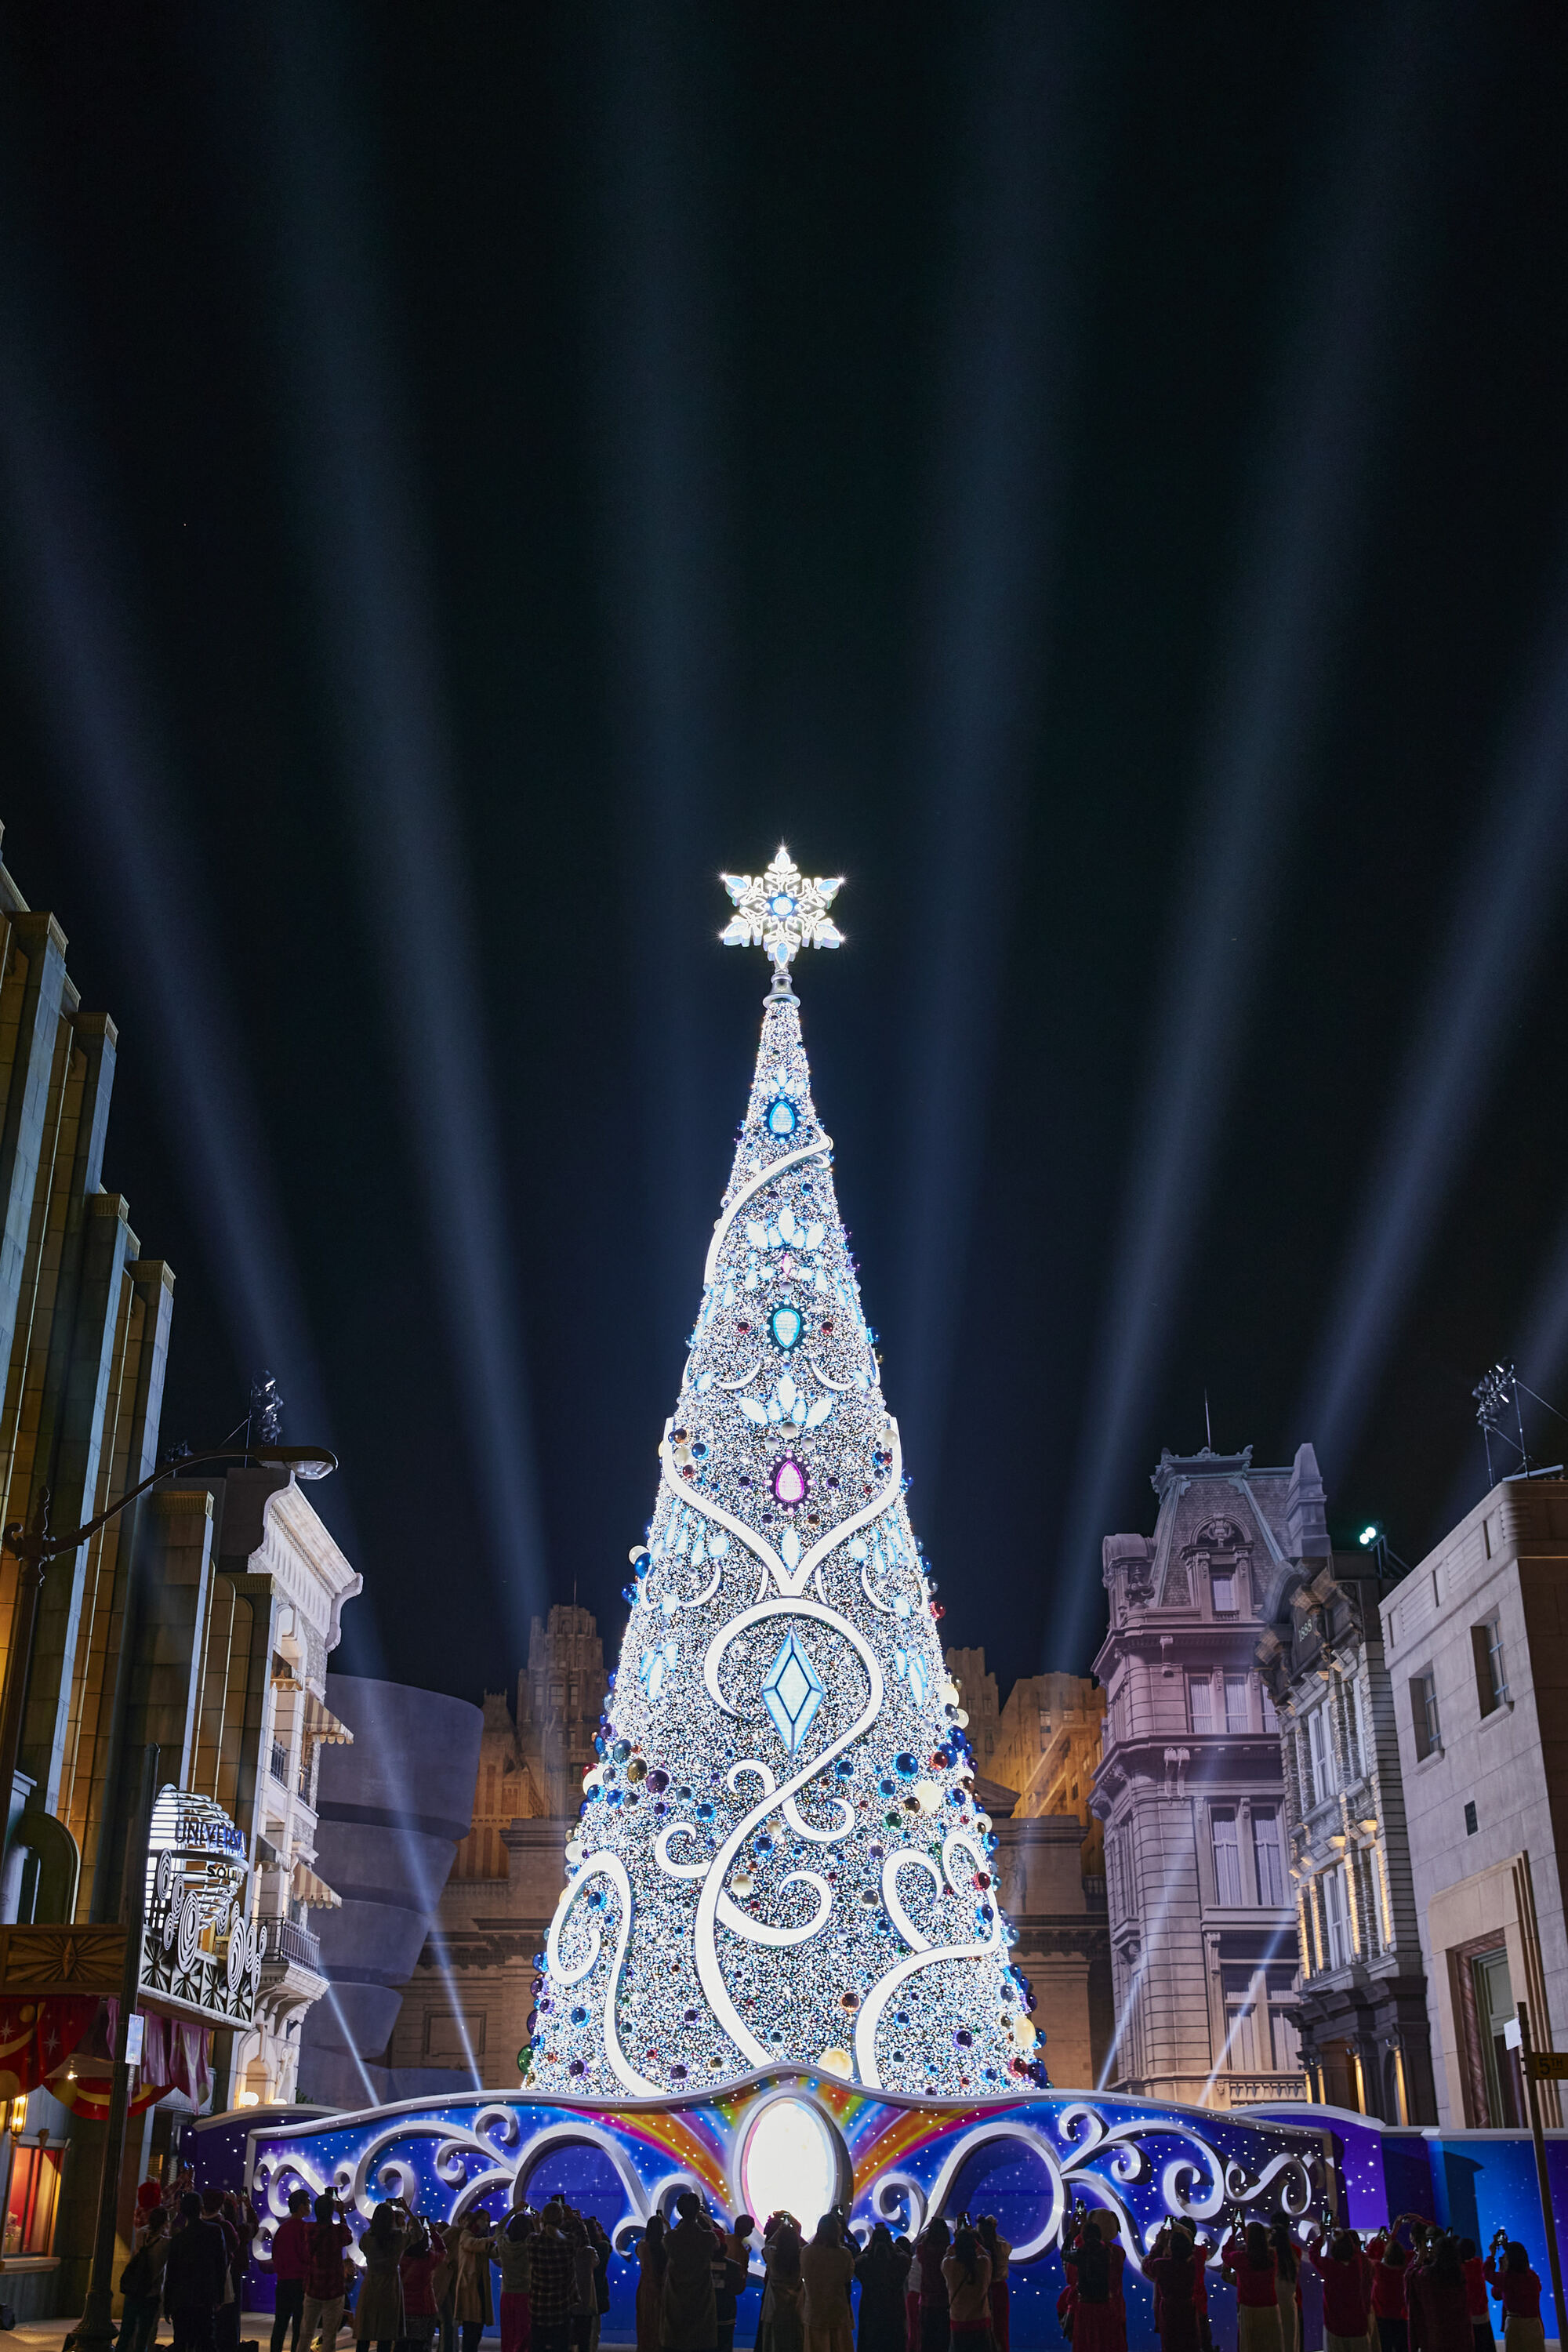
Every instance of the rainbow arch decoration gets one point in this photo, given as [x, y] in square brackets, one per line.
[806, 2138]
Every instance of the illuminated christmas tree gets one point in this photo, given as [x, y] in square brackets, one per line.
[780, 1856]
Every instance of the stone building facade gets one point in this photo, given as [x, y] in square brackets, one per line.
[1048, 1855]
[1190, 1786]
[472, 1991]
[198, 1620]
[1362, 2007]
[1476, 1639]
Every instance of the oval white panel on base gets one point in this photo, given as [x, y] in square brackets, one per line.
[790, 2162]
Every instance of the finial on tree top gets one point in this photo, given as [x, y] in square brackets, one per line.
[781, 912]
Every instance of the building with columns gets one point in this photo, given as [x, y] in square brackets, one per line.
[1190, 1786]
[1363, 2005]
[1476, 1639]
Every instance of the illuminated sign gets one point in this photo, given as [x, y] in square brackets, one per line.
[200, 1951]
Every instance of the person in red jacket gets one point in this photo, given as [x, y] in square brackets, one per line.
[426, 2248]
[290, 2260]
[1389, 2262]
[1249, 2259]
[1476, 2289]
[1517, 2289]
[1437, 2300]
[1094, 2281]
[1171, 2269]
[1347, 2290]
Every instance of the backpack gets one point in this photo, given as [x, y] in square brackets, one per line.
[137, 2277]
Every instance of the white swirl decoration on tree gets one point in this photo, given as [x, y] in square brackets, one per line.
[780, 1854]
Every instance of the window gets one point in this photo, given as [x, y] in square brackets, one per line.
[30, 2199]
[1226, 1857]
[1471, 1823]
[1200, 1697]
[1221, 1587]
[1494, 2007]
[1353, 1735]
[1267, 1855]
[1424, 1714]
[1270, 1713]
[1260, 2038]
[1246, 2040]
[1336, 1916]
[1367, 1893]
[1319, 1738]
[1238, 1713]
[1491, 1673]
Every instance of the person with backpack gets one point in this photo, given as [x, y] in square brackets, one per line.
[195, 2273]
[142, 2283]
[1094, 2280]
[1170, 2269]
[378, 2308]
[326, 2273]
[422, 2255]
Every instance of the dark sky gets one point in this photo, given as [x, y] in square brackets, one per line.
[1096, 477]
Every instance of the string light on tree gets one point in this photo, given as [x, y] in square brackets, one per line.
[780, 1855]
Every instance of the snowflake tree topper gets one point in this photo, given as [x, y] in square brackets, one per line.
[782, 911]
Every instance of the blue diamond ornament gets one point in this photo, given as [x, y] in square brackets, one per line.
[793, 1693]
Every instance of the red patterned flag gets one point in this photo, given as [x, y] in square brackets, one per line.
[38, 2035]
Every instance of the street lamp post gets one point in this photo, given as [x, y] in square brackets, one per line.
[33, 1546]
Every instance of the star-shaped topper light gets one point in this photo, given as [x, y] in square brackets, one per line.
[782, 911]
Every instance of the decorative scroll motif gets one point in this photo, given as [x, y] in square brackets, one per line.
[909, 2162]
[781, 1722]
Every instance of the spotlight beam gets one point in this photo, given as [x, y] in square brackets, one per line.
[1507, 888]
[73, 596]
[347, 460]
[1282, 636]
[1008, 364]
[656, 405]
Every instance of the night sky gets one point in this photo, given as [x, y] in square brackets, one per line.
[1095, 476]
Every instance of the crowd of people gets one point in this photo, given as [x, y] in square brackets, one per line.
[542, 2279]
[1412, 2287]
[825, 2292]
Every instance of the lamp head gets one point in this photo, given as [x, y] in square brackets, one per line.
[305, 1461]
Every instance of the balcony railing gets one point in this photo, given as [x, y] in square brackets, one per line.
[287, 1942]
[1265, 2090]
[279, 1763]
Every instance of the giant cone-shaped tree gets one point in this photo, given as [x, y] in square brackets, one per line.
[780, 1856]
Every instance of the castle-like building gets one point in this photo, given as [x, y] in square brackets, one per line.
[1190, 1786]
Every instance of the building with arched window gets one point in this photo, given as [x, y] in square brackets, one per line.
[1190, 1786]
